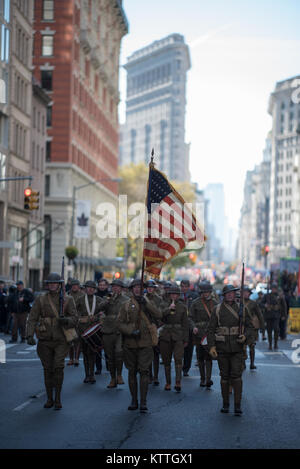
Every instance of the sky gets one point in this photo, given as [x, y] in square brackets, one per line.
[239, 49]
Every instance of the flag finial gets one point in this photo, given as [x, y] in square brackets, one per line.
[152, 158]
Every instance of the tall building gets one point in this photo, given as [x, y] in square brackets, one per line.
[18, 51]
[5, 22]
[36, 228]
[155, 107]
[214, 193]
[284, 108]
[254, 220]
[76, 58]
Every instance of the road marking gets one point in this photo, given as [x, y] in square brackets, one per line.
[25, 404]
[6, 346]
[31, 348]
[23, 353]
[22, 359]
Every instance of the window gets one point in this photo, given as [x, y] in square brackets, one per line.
[49, 116]
[4, 43]
[47, 46]
[46, 79]
[47, 185]
[48, 10]
[48, 151]
[2, 169]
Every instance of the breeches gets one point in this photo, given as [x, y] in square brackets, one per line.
[230, 365]
[52, 354]
[138, 359]
[175, 348]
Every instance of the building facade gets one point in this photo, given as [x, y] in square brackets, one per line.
[155, 107]
[18, 47]
[76, 58]
[284, 107]
[5, 37]
[36, 229]
[254, 221]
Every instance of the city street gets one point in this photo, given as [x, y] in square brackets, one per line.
[94, 417]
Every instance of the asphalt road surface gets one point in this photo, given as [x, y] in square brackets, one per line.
[94, 417]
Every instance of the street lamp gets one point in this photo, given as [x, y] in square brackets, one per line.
[77, 188]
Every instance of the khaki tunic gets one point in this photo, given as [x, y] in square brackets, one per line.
[138, 352]
[176, 324]
[223, 331]
[199, 316]
[52, 346]
[255, 321]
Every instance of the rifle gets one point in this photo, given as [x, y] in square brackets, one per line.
[241, 308]
[62, 290]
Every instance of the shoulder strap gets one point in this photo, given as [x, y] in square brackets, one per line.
[218, 313]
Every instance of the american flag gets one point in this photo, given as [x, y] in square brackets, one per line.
[171, 223]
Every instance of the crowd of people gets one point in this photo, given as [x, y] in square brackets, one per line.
[143, 327]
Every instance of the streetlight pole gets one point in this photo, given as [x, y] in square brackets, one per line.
[77, 188]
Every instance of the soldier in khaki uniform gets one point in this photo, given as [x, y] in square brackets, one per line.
[226, 345]
[52, 345]
[89, 312]
[275, 309]
[112, 340]
[134, 323]
[255, 322]
[153, 296]
[174, 336]
[74, 351]
[199, 316]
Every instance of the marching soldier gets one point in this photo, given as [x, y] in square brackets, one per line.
[174, 336]
[226, 345]
[256, 322]
[151, 294]
[52, 347]
[188, 297]
[275, 309]
[261, 305]
[89, 312]
[112, 340]
[199, 316]
[135, 323]
[74, 351]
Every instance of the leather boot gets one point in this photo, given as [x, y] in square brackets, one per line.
[48, 377]
[252, 356]
[208, 369]
[86, 369]
[237, 385]
[119, 366]
[168, 377]
[201, 365]
[225, 395]
[270, 340]
[58, 380]
[178, 372]
[113, 380]
[144, 381]
[132, 383]
[275, 340]
[92, 369]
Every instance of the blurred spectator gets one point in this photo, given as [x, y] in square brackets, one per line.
[3, 306]
[20, 305]
[68, 285]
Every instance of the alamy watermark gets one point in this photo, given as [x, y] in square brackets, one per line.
[162, 221]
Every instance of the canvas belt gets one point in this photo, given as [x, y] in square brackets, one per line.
[201, 323]
[223, 330]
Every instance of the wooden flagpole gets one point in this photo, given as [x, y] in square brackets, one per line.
[143, 262]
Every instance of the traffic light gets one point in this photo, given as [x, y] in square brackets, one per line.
[265, 250]
[27, 194]
[34, 200]
[31, 199]
[117, 275]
